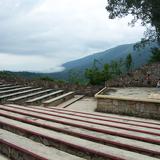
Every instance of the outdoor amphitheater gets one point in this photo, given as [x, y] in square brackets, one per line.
[51, 124]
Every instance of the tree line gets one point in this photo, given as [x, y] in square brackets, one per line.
[96, 75]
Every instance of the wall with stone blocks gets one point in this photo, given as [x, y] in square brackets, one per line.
[127, 107]
[138, 78]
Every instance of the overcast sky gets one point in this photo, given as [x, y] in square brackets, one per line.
[40, 35]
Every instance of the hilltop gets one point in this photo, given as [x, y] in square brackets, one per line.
[140, 58]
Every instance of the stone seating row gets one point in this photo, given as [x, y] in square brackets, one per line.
[28, 95]
[76, 135]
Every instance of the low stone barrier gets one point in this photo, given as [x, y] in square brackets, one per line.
[146, 108]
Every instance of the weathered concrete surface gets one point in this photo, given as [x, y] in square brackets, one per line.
[71, 101]
[40, 99]
[129, 101]
[34, 148]
[86, 104]
[3, 157]
[91, 135]
[58, 100]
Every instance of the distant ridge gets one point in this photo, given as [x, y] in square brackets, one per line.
[140, 57]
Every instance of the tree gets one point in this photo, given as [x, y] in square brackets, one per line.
[148, 11]
[106, 72]
[74, 77]
[128, 62]
[115, 67]
[155, 57]
[94, 75]
[98, 76]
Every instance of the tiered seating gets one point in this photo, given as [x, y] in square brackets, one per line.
[58, 100]
[13, 90]
[4, 98]
[24, 147]
[21, 99]
[5, 85]
[27, 95]
[39, 100]
[9, 87]
[87, 135]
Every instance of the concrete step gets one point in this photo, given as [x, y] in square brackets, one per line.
[2, 157]
[71, 101]
[149, 136]
[118, 142]
[57, 100]
[4, 98]
[18, 147]
[5, 85]
[146, 124]
[112, 116]
[80, 147]
[116, 118]
[155, 130]
[14, 90]
[10, 87]
[38, 100]
[22, 99]
[110, 120]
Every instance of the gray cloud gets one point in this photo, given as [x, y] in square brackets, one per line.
[43, 34]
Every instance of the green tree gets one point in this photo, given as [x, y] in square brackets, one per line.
[106, 72]
[148, 11]
[155, 57]
[115, 68]
[128, 62]
[74, 77]
[98, 76]
[94, 75]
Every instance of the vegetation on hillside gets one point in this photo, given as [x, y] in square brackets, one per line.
[128, 62]
[98, 76]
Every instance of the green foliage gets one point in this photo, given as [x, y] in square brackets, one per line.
[6, 74]
[128, 62]
[109, 71]
[94, 75]
[148, 11]
[116, 67]
[75, 77]
[47, 79]
[155, 57]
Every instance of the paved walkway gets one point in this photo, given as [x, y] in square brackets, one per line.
[87, 104]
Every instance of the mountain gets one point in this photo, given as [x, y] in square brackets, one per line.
[140, 57]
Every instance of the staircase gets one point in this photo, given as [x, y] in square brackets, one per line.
[28, 95]
[42, 133]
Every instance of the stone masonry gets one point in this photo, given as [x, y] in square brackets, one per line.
[138, 78]
[127, 107]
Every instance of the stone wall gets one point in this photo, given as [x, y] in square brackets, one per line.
[138, 78]
[88, 90]
[127, 107]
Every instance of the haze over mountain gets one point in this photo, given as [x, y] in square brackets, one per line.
[140, 57]
[41, 35]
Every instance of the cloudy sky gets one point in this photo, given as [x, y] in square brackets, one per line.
[40, 35]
